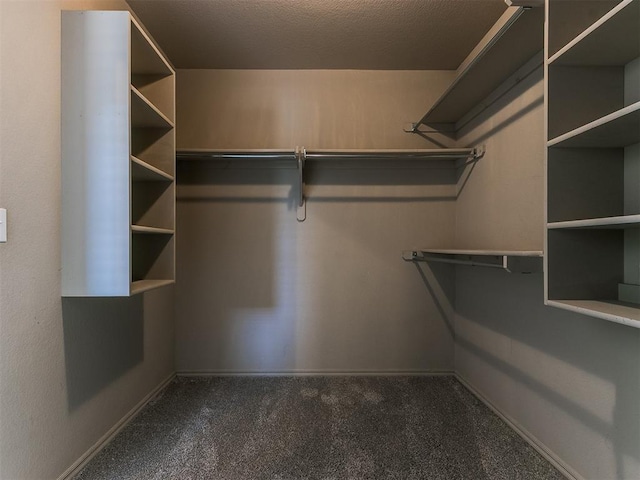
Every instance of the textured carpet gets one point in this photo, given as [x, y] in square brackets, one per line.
[317, 428]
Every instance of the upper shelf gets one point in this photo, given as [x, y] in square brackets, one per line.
[513, 41]
[614, 40]
[514, 261]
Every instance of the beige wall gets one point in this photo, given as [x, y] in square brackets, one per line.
[69, 369]
[259, 292]
[571, 381]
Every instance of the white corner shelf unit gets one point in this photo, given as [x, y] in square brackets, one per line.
[512, 261]
[118, 157]
[511, 50]
[592, 252]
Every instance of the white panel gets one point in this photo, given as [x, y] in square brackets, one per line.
[3, 225]
[95, 153]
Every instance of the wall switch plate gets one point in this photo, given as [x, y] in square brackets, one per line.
[3, 225]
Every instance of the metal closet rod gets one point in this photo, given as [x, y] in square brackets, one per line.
[320, 154]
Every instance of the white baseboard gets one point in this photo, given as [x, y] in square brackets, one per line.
[79, 464]
[540, 447]
[313, 373]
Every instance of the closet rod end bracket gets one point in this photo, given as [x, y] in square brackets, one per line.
[478, 152]
[411, 127]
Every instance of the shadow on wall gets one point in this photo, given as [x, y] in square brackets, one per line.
[439, 280]
[553, 353]
[103, 339]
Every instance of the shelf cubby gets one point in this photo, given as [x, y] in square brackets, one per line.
[158, 91]
[587, 183]
[152, 204]
[141, 171]
[146, 58]
[152, 256]
[618, 129]
[609, 41]
[569, 18]
[146, 114]
[155, 147]
[594, 80]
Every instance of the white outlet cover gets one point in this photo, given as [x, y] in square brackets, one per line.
[3, 225]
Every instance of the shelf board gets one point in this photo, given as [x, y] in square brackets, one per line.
[151, 230]
[614, 40]
[146, 114]
[614, 311]
[516, 261]
[146, 59]
[140, 286]
[618, 129]
[143, 172]
[624, 221]
[515, 38]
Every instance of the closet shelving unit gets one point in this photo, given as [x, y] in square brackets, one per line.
[511, 261]
[593, 158]
[118, 157]
[509, 52]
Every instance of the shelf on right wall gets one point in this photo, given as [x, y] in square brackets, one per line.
[592, 71]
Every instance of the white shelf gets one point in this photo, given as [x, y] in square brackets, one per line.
[514, 40]
[140, 286]
[151, 230]
[143, 172]
[614, 40]
[146, 114]
[625, 221]
[618, 312]
[515, 261]
[618, 129]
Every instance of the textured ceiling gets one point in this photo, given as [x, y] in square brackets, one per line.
[318, 34]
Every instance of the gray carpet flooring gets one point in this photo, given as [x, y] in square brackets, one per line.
[330, 428]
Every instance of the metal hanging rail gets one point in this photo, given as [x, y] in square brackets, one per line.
[406, 154]
[301, 156]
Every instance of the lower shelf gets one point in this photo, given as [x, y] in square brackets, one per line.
[625, 313]
[140, 286]
[518, 261]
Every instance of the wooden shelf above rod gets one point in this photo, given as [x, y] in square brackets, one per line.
[509, 52]
[518, 261]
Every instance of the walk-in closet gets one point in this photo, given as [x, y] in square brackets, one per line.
[319, 239]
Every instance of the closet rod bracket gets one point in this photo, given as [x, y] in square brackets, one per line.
[478, 152]
[301, 207]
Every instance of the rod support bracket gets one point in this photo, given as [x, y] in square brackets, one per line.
[410, 127]
[479, 151]
[301, 207]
